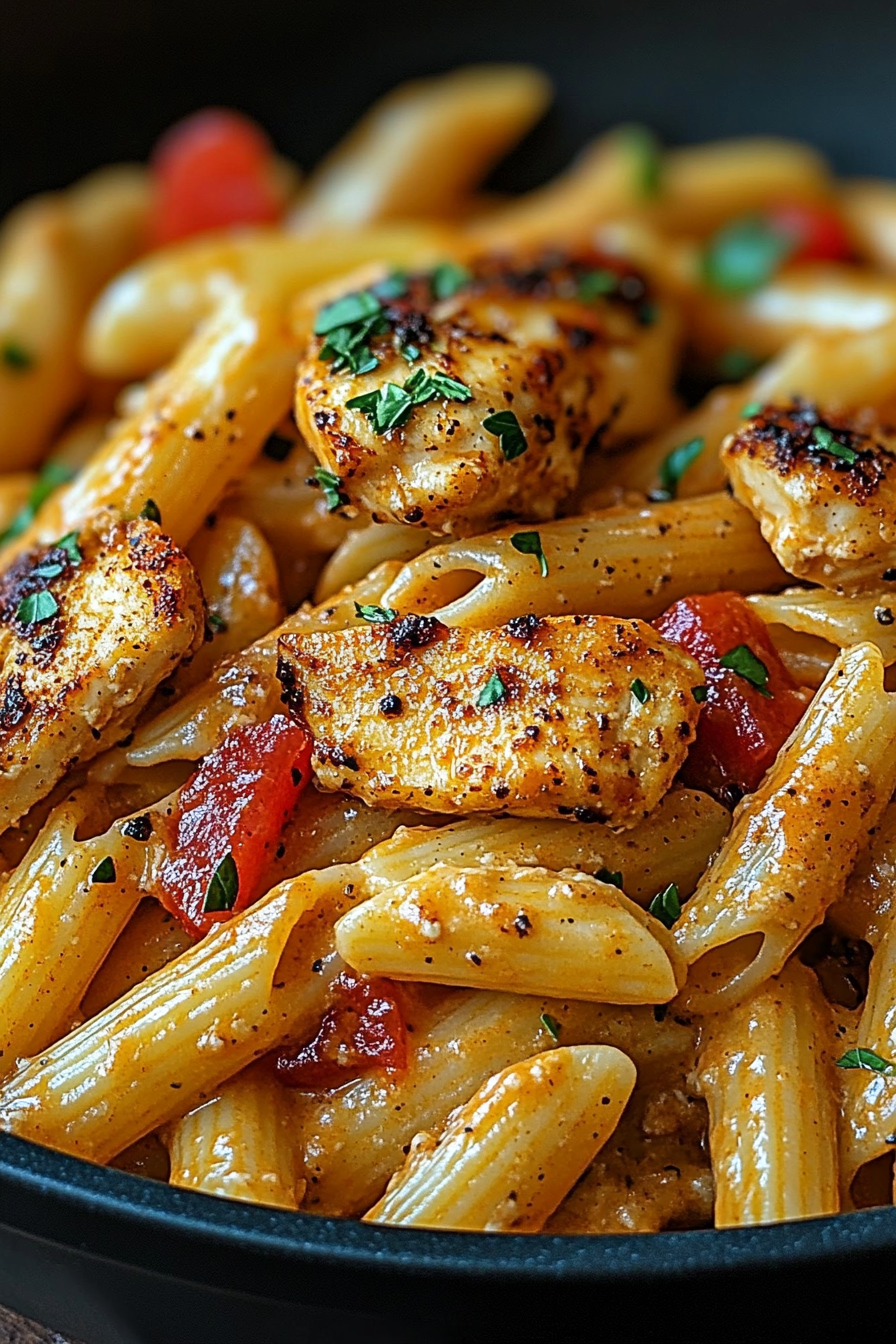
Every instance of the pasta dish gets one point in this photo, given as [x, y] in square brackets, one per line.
[446, 674]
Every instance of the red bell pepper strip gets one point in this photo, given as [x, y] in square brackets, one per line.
[363, 1029]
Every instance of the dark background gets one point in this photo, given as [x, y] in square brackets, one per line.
[86, 81]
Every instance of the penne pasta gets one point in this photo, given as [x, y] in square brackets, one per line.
[869, 902]
[151, 938]
[505, 1160]
[795, 840]
[525, 930]
[766, 1074]
[241, 1144]
[838, 619]
[869, 207]
[420, 150]
[613, 562]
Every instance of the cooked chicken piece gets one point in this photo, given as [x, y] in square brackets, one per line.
[563, 373]
[88, 629]
[823, 490]
[585, 717]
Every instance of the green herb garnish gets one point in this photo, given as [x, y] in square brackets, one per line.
[529, 543]
[151, 512]
[596, 284]
[69, 544]
[744, 255]
[375, 615]
[223, 888]
[640, 691]
[448, 278]
[52, 475]
[493, 691]
[864, 1059]
[752, 408]
[736, 365]
[823, 438]
[52, 570]
[387, 408]
[331, 487]
[424, 386]
[410, 353]
[395, 286]
[104, 872]
[551, 1025]
[36, 608]
[675, 465]
[348, 325]
[347, 312]
[743, 661]
[16, 357]
[611, 879]
[666, 905]
[700, 693]
[217, 624]
[505, 426]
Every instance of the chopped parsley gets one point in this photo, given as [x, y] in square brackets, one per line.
[666, 905]
[151, 512]
[508, 431]
[675, 465]
[700, 693]
[395, 286]
[387, 408]
[69, 544]
[448, 278]
[331, 486]
[278, 447]
[36, 607]
[744, 255]
[752, 408]
[735, 365]
[223, 888]
[551, 1025]
[823, 438]
[529, 543]
[217, 624]
[16, 357]
[647, 164]
[492, 692]
[864, 1059]
[640, 691]
[596, 284]
[348, 325]
[424, 386]
[104, 872]
[375, 615]
[52, 475]
[51, 570]
[410, 353]
[744, 663]
[611, 879]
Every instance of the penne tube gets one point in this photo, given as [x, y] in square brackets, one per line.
[869, 208]
[238, 573]
[364, 549]
[807, 658]
[839, 373]
[616, 562]
[242, 690]
[61, 911]
[422, 149]
[505, 1160]
[525, 930]
[795, 840]
[148, 312]
[241, 1144]
[169, 1044]
[55, 253]
[356, 1138]
[673, 843]
[202, 423]
[867, 617]
[869, 902]
[766, 1074]
[151, 938]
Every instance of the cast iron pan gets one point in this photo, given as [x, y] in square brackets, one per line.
[115, 1260]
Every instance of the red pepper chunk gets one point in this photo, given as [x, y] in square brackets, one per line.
[741, 730]
[818, 231]
[213, 170]
[235, 804]
[363, 1029]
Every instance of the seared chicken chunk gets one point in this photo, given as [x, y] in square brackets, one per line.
[566, 356]
[88, 629]
[823, 490]
[584, 717]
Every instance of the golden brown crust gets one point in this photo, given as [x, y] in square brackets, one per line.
[125, 616]
[402, 716]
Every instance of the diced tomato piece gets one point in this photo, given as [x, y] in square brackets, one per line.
[211, 170]
[741, 730]
[236, 804]
[363, 1029]
[818, 231]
